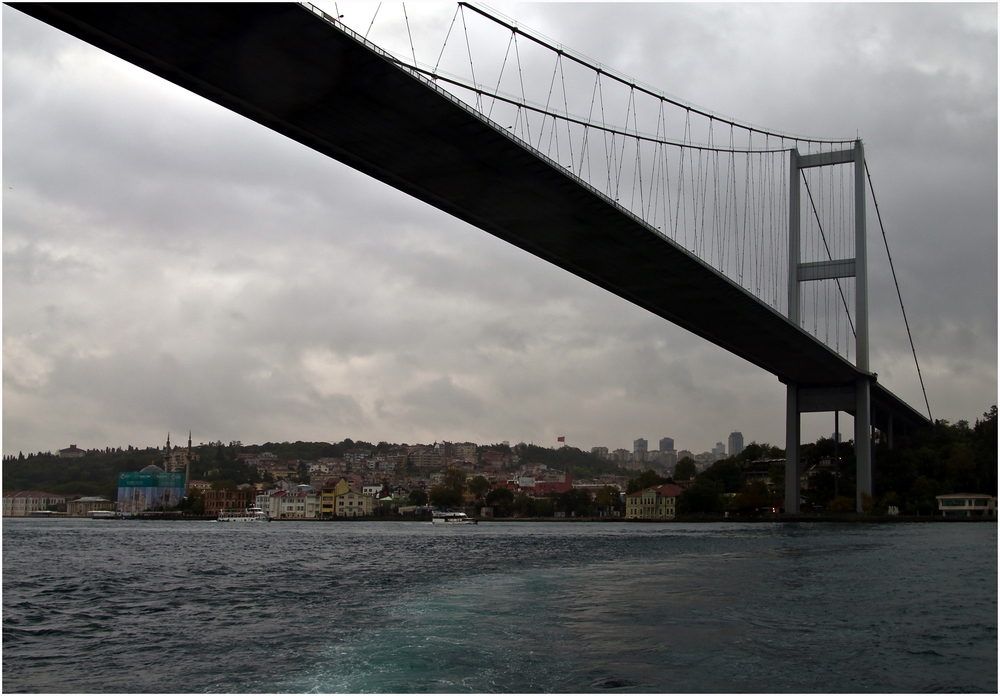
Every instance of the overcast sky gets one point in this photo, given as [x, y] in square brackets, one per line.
[171, 266]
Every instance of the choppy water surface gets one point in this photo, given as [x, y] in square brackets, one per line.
[114, 606]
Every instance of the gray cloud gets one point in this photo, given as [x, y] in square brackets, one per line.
[169, 265]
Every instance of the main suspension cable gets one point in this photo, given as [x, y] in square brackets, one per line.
[898, 293]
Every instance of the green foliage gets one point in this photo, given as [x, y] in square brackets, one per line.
[754, 497]
[685, 469]
[524, 506]
[574, 502]
[501, 500]
[756, 452]
[441, 496]
[418, 496]
[575, 462]
[646, 479]
[479, 486]
[842, 504]
[307, 451]
[702, 498]
[93, 474]
[609, 498]
[726, 473]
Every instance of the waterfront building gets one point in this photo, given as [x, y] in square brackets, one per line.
[263, 501]
[23, 503]
[655, 503]
[82, 507]
[238, 499]
[328, 496]
[353, 504]
[294, 505]
[149, 489]
[967, 505]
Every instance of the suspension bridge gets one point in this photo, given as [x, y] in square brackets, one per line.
[752, 239]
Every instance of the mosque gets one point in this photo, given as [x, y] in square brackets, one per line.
[156, 488]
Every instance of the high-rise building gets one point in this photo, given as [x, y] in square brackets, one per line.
[668, 459]
[639, 448]
[735, 443]
[719, 451]
[666, 443]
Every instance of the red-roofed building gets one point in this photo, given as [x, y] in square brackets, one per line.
[553, 487]
[656, 503]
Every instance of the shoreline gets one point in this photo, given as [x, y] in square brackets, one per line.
[826, 519]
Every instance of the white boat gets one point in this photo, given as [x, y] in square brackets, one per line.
[438, 517]
[251, 514]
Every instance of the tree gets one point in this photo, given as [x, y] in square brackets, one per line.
[685, 469]
[442, 496]
[302, 473]
[524, 506]
[703, 497]
[418, 496]
[454, 480]
[727, 473]
[609, 498]
[479, 486]
[575, 501]
[753, 497]
[841, 504]
[645, 480]
[501, 500]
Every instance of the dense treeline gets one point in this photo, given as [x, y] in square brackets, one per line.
[944, 459]
[575, 462]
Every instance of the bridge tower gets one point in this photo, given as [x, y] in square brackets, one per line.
[853, 398]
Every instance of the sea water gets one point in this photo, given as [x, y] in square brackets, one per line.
[402, 607]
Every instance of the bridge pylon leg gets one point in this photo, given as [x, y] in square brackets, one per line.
[793, 423]
[863, 441]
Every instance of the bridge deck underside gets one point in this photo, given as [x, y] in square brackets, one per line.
[293, 72]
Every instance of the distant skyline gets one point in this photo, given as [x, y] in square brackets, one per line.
[169, 265]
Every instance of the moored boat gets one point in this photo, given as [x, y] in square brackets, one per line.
[438, 517]
[251, 514]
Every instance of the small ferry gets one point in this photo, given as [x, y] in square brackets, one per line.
[438, 517]
[251, 514]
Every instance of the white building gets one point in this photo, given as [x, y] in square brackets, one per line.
[26, 502]
[967, 505]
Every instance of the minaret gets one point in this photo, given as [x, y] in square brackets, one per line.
[187, 468]
[166, 455]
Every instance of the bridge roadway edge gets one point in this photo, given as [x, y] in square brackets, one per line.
[295, 73]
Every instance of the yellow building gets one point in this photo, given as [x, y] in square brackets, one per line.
[328, 498]
[353, 504]
[657, 503]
